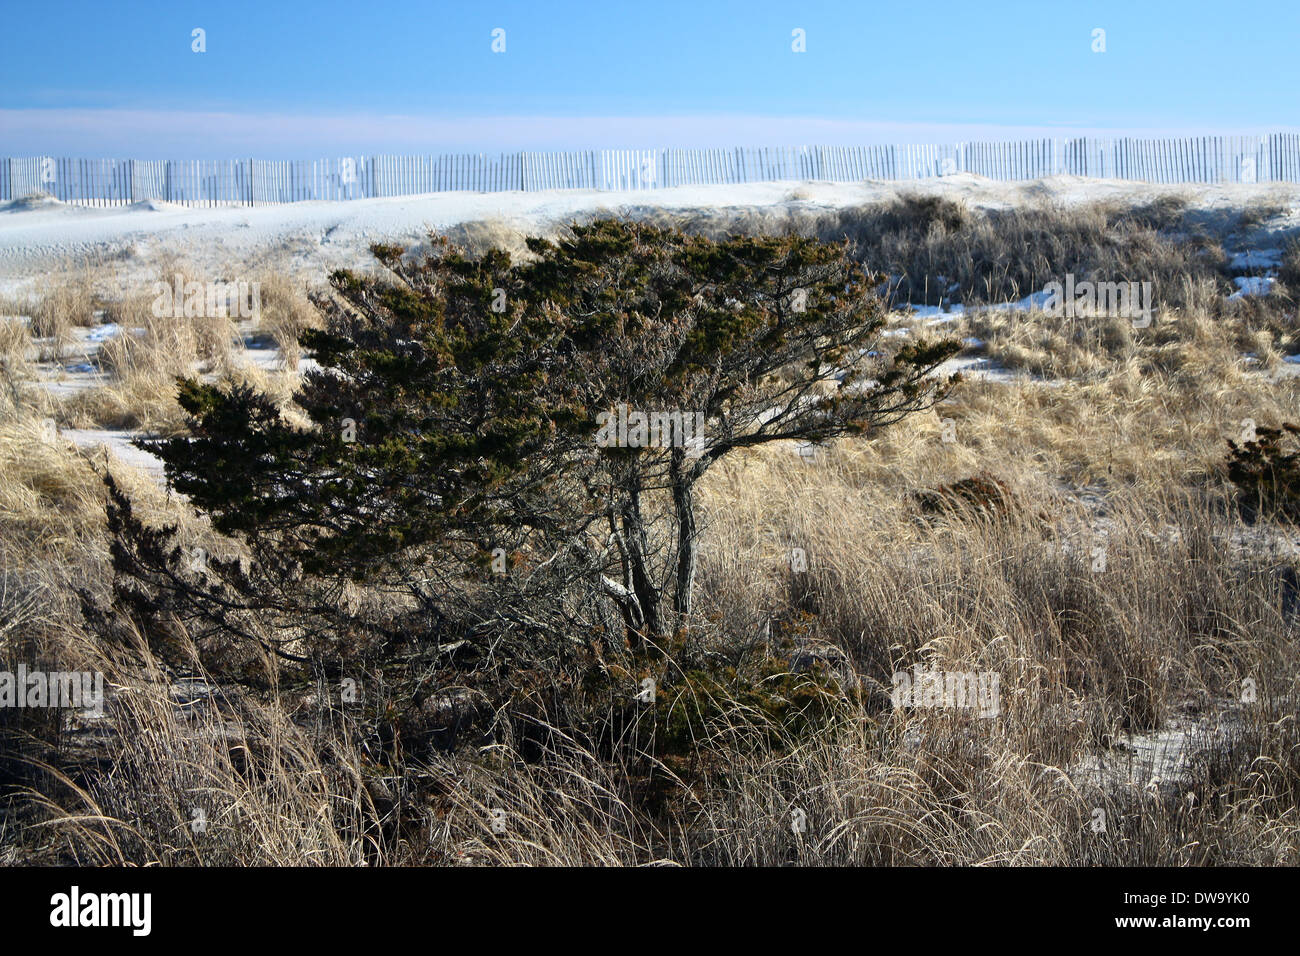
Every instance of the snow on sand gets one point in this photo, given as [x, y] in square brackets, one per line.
[313, 237]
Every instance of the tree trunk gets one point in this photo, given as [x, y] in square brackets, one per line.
[684, 503]
[638, 548]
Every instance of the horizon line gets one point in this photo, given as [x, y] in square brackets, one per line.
[153, 134]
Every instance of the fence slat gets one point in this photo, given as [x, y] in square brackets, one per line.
[109, 182]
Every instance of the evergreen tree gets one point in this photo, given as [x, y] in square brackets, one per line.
[550, 418]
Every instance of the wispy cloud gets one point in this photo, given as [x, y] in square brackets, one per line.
[152, 134]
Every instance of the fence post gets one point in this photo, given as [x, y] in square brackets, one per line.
[1263, 158]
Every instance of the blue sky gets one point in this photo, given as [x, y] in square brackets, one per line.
[290, 79]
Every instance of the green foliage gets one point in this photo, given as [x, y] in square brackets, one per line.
[777, 704]
[983, 496]
[453, 416]
[1266, 472]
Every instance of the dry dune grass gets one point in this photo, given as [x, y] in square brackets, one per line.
[1201, 338]
[1185, 608]
[1180, 614]
[973, 797]
[15, 344]
[70, 296]
[170, 760]
[478, 237]
[204, 782]
[1119, 450]
[937, 250]
[285, 314]
[572, 809]
[15, 364]
[46, 486]
[149, 352]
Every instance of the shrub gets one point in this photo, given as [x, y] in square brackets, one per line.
[1266, 472]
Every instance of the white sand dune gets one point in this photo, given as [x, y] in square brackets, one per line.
[317, 236]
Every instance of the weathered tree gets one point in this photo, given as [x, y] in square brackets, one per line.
[560, 410]
[745, 342]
